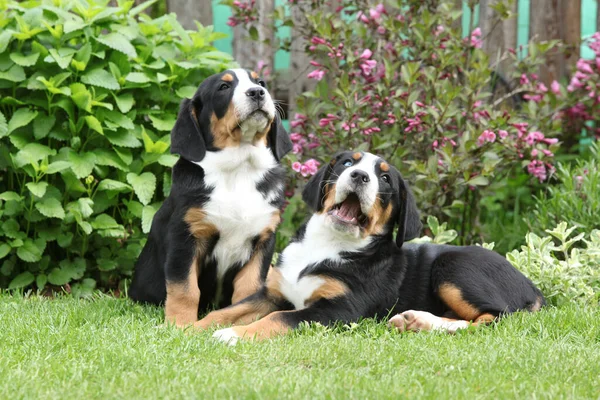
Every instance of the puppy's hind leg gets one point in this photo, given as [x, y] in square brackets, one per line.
[416, 321]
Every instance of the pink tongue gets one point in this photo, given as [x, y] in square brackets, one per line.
[348, 210]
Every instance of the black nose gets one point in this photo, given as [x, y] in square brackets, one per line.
[256, 93]
[359, 176]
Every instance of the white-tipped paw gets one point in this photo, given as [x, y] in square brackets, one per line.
[227, 336]
[415, 321]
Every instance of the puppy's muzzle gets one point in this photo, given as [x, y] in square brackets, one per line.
[359, 177]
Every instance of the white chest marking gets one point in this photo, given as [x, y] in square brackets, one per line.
[320, 243]
[236, 208]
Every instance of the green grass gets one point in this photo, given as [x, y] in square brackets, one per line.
[111, 348]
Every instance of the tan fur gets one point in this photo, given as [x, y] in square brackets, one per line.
[329, 200]
[357, 156]
[270, 326]
[254, 75]
[331, 288]
[537, 305]
[241, 313]
[227, 78]
[378, 217]
[198, 226]
[273, 283]
[385, 167]
[226, 132]
[181, 306]
[452, 296]
[261, 137]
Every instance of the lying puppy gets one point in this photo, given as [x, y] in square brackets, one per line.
[212, 240]
[344, 264]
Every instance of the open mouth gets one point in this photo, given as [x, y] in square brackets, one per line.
[349, 212]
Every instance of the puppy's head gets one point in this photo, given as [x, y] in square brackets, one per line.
[228, 109]
[362, 195]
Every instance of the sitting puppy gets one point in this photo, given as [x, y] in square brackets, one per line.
[344, 264]
[212, 240]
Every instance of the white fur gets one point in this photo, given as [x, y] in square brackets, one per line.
[425, 319]
[344, 185]
[236, 208]
[244, 106]
[321, 242]
[227, 336]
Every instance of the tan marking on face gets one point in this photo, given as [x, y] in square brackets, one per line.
[270, 326]
[329, 200]
[378, 218]
[452, 296]
[385, 167]
[262, 137]
[330, 289]
[357, 156]
[240, 313]
[226, 131]
[227, 78]
[181, 305]
[254, 75]
[537, 305]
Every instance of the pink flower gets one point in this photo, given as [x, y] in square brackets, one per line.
[534, 153]
[296, 137]
[524, 80]
[547, 153]
[317, 74]
[381, 30]
[366, 54]
[475, 38]
[583, 66]
[376, 12]
[534, 137]
[367, 66]
[486, 136]
[296, 166]
[550, 140]
[503, 134]
[439, 29]
[361, 16]
[317, 40]
[542, 88]
[304, 170]
[537, 169]
[555, 87]
[312, 166]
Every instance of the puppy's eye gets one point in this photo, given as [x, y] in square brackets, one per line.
[224, 86]
[348, 163]
[262, 83]
[386, 178]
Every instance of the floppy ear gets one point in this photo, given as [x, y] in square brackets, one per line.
[186, 138]
[314, 191]
[279, 139]
[409, 222]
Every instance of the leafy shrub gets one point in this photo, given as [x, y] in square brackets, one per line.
[398, 79]
[562, 271]
[575, 199]
[88, 95]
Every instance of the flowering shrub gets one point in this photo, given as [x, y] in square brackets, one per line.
[399, 80]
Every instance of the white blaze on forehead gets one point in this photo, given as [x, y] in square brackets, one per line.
[243, 104]
[368, 195]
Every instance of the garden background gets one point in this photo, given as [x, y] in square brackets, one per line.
[489, 108]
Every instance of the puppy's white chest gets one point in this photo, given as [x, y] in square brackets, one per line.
[238, 210]
[297, 289]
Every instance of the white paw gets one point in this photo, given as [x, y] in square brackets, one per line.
[227, 336]
[415, 321]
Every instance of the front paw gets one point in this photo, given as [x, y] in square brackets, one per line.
[227, 335]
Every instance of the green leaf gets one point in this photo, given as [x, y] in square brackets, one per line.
[124, 102]
[22, 280]
[4, 250]
[151, 147]
[59, 276]
[42, 125]
[65, 240]
[163, 124]
[24, 61]
[16, 73]
[10, 196]
[137, 77]
[86, 206]
[147, 216]
[479, 180]
[110, 158]
[38, 189]
[144, 186]
[31, 251]
[112, 185]
[85, 288]
[168, 160]
[5, 37]
[93, 123]
[186, 91]
[123, 138]
[51, 208]
[81, 96]
[82, 164]
[62, 56]
[58, 166]
[11, 229]
[121, 120]
[3, 125]
[101, 78]
[116, 41]
[21, 117]
[41, 280]
[105, 221]
[32, 153]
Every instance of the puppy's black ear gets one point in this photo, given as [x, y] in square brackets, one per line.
[409, 222]
[186, 138]
[279, 140]
[314, 191]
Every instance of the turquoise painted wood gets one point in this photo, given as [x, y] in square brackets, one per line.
[222, 13]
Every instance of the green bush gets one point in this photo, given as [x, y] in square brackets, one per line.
[88, 95]
[575, 200]
[563, 272]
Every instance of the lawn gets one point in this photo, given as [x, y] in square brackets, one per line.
[111, 348]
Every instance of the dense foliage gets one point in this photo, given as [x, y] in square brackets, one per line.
[88, 95]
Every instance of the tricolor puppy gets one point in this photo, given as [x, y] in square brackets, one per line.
[344, 264]
[212, 240]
